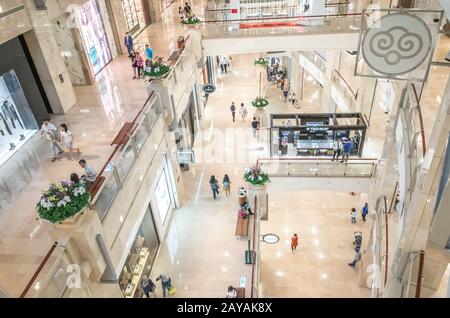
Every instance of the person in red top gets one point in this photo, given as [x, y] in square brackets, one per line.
[294, 242]
[139, 64]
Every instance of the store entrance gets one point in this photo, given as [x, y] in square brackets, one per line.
[140, 258]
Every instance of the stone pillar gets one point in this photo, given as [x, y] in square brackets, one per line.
[331, 66]
[48, 60]
[296, 74]
[261, 193]
[82, 230]
[119, 25]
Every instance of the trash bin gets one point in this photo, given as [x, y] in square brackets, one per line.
[180, 42]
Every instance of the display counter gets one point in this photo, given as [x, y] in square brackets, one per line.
[314, 134]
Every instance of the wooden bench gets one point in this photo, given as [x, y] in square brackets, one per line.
[242, 227]
[123, 135]
[240, 292]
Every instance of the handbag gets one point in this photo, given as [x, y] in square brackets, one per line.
[172, 291]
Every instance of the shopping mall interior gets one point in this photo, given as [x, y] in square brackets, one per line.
[224, 149]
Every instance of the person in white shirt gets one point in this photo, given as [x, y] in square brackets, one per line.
[223, 64]
[337, 146]
[67, 140]
[49, 131]
[243, 111]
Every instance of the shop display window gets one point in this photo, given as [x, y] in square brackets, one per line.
[94, 35]
[163, 197]
[140, 258]
[17, 123]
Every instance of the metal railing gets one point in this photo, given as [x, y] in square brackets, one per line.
[123, 158]
[320, 167]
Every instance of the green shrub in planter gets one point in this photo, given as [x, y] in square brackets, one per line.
[256, 176]
[260, 102]
[61, 202]
[191, 21]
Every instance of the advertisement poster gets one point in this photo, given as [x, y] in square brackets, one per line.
[93, 34]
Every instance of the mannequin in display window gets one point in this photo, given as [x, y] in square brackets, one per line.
[9, 111]
[4, 127]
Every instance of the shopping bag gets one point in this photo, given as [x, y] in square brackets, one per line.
[172, 291]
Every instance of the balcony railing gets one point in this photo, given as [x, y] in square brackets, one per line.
[120, 163]
[332, 23]
[320, 167]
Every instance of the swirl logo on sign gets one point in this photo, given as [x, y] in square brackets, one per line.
[396, 44]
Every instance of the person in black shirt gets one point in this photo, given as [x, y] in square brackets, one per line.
[255, 126]
[233, 111]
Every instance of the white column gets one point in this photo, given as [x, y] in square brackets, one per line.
[296, 74]
[332, 63]
[49, 63]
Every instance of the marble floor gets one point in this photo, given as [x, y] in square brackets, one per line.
[193, 241]
[319, 267]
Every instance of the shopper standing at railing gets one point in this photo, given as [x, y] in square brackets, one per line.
[337, 147]
[348, 145]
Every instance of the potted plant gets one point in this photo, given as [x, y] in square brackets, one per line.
[262, 62]
[64, 201]
[156, 69]
[256, 176]
[191, 21]
[260, 102]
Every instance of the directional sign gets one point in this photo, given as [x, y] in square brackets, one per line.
[209, 88]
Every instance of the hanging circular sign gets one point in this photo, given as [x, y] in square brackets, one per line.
[209, 88]
[271, 238]
[396, 44]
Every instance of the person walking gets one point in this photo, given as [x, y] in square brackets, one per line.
[214, 184]
[285, 94]
[255, 126]
[187, 10]
[356, 259]
[223, 64]
[243, 111]
[49, 131]
[67, 140]
[128, 40]
[294, 243]
[181, 13]
[365, 211]
[337, 145]
[226, 185]
[347, 147]
[140, 65]
[89, 173]
[233, 111]
[353, 215]
[166, 283]
[147, 286]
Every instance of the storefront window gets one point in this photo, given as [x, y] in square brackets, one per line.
[93, 34]
[140, 258]
[131, 15]
[135, 15]
[17, 123]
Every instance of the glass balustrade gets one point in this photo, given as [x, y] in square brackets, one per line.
[333, 24]
[319, 169]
